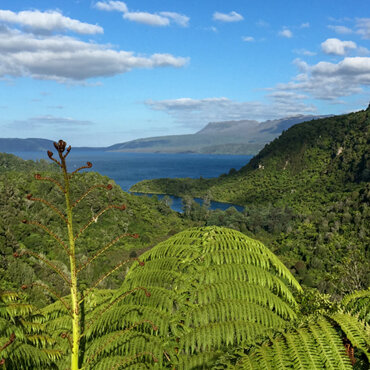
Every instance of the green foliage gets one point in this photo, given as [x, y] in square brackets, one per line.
[73, 318]
[152, 220]
[358, 303]
[317, 344]
[24, 342]
[216, 288]
[306, 194]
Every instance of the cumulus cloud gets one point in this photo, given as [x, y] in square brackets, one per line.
[286, 33]
[305, 25]
[152, 19]
[248, 38]
[67, 59]
[196, 112]
[48, 21]
[229, 17]
[337, 47]
[329, 81]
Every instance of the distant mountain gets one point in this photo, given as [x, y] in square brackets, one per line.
[229, 137]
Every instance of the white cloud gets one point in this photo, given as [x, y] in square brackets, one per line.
[152, 19]
[197, 112]
[304, 52]
[50, 120]
[286, 33]
[147, 18]
[329, 81]
[47, 22]
[363, 27]
[230, 17]
[337, 47]
[67, 59]
[119, 6]
[305, 25]
[180, 19]
[341, 30]
[248, 38]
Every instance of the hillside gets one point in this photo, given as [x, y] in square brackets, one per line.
[309, 157]
[306, 195]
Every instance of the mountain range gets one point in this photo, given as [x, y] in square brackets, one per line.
[227, 137]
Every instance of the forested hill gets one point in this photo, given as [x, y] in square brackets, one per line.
[318, 158]
[10, 162]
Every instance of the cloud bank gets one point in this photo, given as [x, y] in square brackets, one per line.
[329, 81]
[48, 21]
[32, 49]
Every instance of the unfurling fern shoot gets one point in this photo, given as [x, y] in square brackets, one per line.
[74, 304]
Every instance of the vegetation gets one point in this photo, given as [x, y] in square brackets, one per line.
[153, 221]
[306, 195]
[209, 296]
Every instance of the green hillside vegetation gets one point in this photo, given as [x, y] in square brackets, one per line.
[207, 297]
[152, 220]
[306, 195]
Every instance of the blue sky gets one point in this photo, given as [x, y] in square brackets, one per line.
[97, 73]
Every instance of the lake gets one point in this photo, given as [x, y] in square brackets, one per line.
[126, 169]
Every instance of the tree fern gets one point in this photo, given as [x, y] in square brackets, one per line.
[220, 288]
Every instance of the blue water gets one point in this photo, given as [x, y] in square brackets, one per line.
[126, 169]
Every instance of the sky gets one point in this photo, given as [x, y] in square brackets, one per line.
[96, 73]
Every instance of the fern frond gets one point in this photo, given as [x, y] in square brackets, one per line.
[314, 347]
[122, 316]
[232, 310]
[330, 345]
[216, 335]
[356, 331]
[253, 293]
[358, 303]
